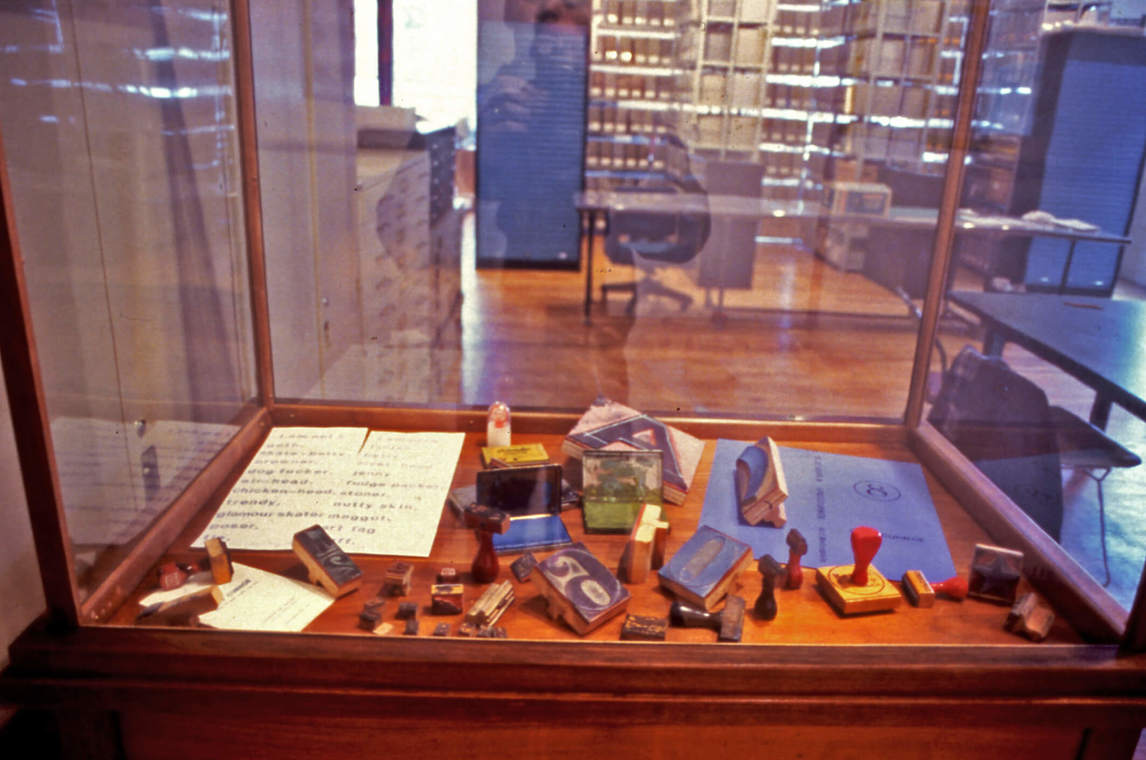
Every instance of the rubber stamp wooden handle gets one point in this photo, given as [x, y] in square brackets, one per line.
[797, 548]
[486, 522]
[865, 543]
[956, 588]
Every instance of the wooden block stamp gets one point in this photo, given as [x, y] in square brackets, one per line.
[760, 484]
[645, 550]
[491, 605]
[1028, 617]
[995, 573]
[706, 567]
[219, 557]
[579, 589]
[325, 563]
[643, 628]
[398, 579]
[185, 610]
[917, 590]
[446, 598]
[171, 576]
[523, 566]
[859, 588]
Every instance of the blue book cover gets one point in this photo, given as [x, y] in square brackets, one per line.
[829, 496]
[703, 561]
[532, 532]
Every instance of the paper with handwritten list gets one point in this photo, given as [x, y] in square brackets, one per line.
[384, 496]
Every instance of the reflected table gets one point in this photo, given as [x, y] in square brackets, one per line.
[1096, 340]
[595, 206]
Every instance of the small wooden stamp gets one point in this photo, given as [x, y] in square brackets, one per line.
[917, 590]
[645, 550]
[523, 566]
[446, 598]
[797, 548]
[859, 588]
[580, 589]
[398, 579]
[490, 606]
[411, 628]
[760, 484]
[383, 629]
[184, 610]
[219, 557]
[770, 570]
[467, 630]
[448, 575]
[731, 619]
[326, 564]
[728, 623]
[442, 629]
[705, 568]
[995, 573]
[492, 632]
[643, 628]
[171, 576]
[406, 610]
[1028, 617]
[371, 614]
[486, 522]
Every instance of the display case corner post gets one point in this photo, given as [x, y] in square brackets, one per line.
[244, 73]
[943, 243]
[30, 426]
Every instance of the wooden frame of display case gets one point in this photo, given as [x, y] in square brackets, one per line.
[118, 690]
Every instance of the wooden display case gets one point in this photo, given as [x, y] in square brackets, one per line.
[947, 681]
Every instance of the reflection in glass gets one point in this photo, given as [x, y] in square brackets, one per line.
[1046, 393]
[119, 135]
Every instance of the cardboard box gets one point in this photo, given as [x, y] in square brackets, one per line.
[869, 198]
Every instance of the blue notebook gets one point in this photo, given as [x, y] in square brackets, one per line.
[532, 532]
[829, 495]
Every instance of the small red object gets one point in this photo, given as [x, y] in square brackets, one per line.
[956, 588]
[797, 548]
[171, 576]
[865, 543]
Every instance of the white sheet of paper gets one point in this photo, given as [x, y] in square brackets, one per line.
[256, 600]
[383, 497]
[392, 500]
[286, 487]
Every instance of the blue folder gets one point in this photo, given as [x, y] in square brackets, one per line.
[829, 496]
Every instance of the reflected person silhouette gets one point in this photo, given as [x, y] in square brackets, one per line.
[531, 136]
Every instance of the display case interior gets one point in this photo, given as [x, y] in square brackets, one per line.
[251, 347]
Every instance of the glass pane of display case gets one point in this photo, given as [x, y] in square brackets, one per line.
[119, 133]
[743, 234]
[1043, 330]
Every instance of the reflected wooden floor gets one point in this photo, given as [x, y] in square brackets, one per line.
[807, 341]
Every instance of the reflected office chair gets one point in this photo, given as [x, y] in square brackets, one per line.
[1003, 423]
[651, 240]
